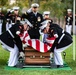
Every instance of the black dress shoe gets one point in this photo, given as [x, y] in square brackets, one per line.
[18, 66]
[60, 66]
[53, 65]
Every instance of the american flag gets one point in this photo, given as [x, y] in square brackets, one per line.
[36, 43]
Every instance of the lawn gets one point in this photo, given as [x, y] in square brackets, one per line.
[5, 54]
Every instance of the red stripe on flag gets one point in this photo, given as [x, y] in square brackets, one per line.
[38, 45]
[30, 42]
[25, 35]
[23, 41]
[52, 38]
[50, 45]
[21, 35]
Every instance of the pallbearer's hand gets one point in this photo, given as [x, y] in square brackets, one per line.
[22, 54]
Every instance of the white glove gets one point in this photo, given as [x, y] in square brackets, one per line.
[29, 10]
[25, 45]
[22, 54]
[17, 32]
[11, 10]
[40, 32]
[56, 35]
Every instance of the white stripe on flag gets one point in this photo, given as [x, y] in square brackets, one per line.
[33, 43]
[27, 38]
[50, 41]
[41, 47]
[48, 47]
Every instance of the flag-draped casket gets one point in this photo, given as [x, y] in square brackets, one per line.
[37, 52]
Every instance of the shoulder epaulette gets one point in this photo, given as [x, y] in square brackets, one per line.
[25, 13]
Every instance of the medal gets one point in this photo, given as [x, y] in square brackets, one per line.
[38, 19]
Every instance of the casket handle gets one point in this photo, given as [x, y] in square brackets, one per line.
[32, 57]
[42, 57]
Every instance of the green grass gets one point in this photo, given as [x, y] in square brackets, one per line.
[69, 60]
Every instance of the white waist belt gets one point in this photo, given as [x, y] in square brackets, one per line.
[61, 38]
[10, 33]
[62, 31]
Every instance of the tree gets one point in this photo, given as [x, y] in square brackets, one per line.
[56, 7]
[3, 2]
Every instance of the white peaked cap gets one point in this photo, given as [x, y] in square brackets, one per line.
[69, 9]
[35, 5]
[44, 24]
[46, 12]
[15, 8]
[26, 22]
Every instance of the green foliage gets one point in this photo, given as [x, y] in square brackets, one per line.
[56, 7]
[3, 3]
[22, 3]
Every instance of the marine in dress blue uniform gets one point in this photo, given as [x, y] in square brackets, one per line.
[12, 18]
[62, 42]
[69, 21]
[11, 41]
[46, 16]
[35, 18]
